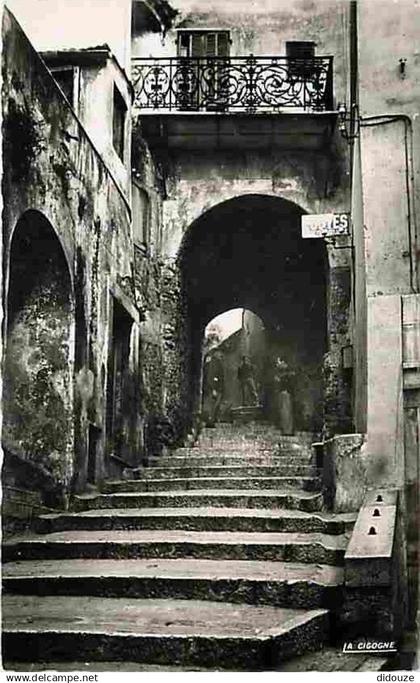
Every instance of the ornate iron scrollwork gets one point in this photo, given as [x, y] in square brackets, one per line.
[248, 84]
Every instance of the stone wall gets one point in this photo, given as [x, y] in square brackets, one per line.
[338, 379]
[344, 476]
[53, 170]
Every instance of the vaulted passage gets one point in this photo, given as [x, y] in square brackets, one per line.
[248, 252]
[38, 393]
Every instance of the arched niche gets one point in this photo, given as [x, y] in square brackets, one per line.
[39, 359]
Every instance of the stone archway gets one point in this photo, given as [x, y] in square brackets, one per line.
[39, 360]
[228, 338]
[249, 252]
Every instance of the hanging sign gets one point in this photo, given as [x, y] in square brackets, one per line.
[325, 224]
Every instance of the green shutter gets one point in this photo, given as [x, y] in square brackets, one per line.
[197, 45]
[223, 44]
[211, 44]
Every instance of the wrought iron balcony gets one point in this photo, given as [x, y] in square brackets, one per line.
[224, 84]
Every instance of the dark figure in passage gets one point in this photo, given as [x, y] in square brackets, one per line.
[213, 387]
[283, 380]
[246, 377]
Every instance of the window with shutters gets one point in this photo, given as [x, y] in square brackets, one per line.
[141, 216]
[300, 56]
[118, 123]
[65, 79]
[203, 72]
[203, 43]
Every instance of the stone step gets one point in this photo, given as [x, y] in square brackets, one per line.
[238, 460]
[223, 471]
[253, 430]
[292, 449]
[327, 659]
[120, 667]
[244, 448]
[236, 637]
[295, 500]
[198, 519]
[216, 545]
[192, 484]
[239, 439]
[247, 450]
[335, 660]
[250, 582]
[239, 435]
[250, 444]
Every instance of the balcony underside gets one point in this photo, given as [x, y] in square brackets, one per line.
[301, 131]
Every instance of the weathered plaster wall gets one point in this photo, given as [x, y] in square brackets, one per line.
[196, 182]
[157, 289]
[52, 167]
[95, 107]
[344, 477]
[396, 36]
[360, 300]
[385, 417]
[390, 167]
[262, 29]
[391, 193]
[338, 380]
[387, 237]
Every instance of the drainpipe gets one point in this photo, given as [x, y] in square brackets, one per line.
[354, 66]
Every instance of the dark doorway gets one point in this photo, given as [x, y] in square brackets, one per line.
[94, 438]
[119, 399]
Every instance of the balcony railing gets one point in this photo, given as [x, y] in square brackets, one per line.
[223, 84]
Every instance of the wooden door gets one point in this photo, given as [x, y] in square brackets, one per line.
[117, 380]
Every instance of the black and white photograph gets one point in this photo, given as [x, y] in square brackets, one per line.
[210, 338]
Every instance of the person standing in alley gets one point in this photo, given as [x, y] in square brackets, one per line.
[214, 387]
[246, 378]
[283, 377]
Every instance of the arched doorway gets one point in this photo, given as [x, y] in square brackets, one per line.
[248, 252]
[228, 338]
[38, 373]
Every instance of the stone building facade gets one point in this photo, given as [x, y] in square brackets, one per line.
[70, 313]
[144, 195]
[248, 168]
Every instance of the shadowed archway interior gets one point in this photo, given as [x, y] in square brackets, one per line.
[248, 252]
[38, 378]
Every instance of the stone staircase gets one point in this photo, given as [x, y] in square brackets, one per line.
[216, 557]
